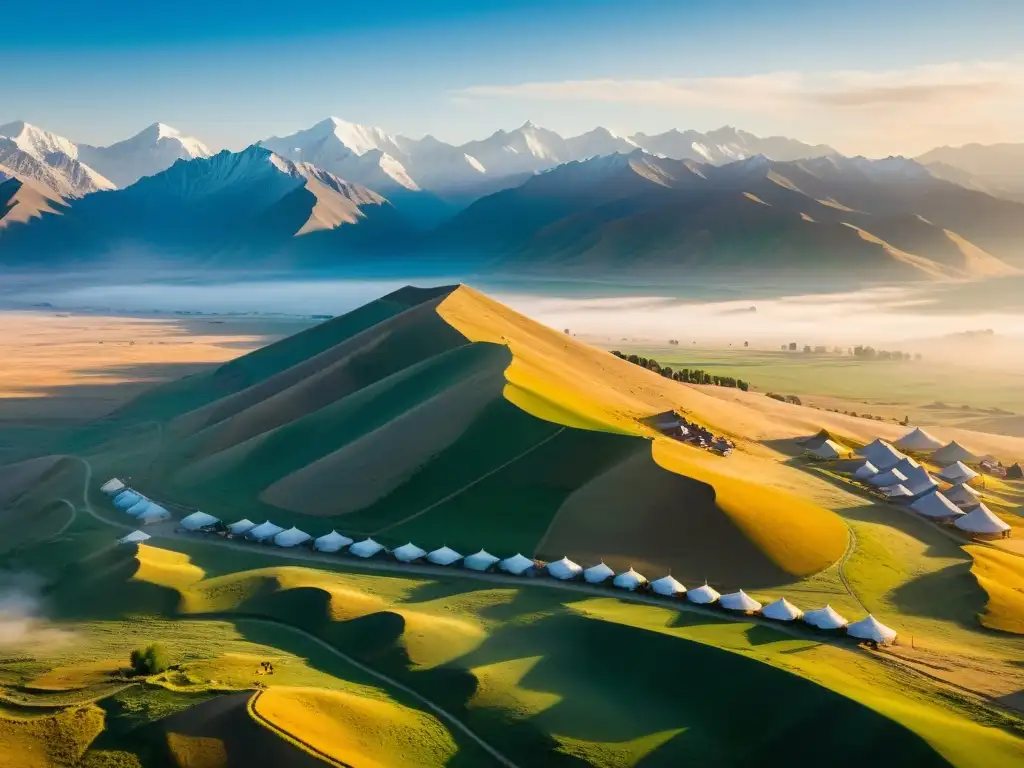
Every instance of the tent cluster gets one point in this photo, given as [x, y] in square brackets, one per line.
[133, 503]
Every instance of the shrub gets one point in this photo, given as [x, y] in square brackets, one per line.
[149, 660]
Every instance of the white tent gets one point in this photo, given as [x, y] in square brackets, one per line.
[667, 586]
[242, 526]
[481, 561]
[598, 574]
[138, 508]
[963, 495]
[825, 618]
[291, 538]
[828, 450]
[866, 470]
[918, 440]
[881, 454]
[919, 482]
[739, 601]
[112, 487]
[365, 548]
[629, 580]
[870, 628]
[198, 520]
[564, 569]
[134, 537]
[906, 465]
[408, 553]
[127, 499]
[331, 542]
[444, 556]
[936, 506]
[781, 610]
[154, 513]
[954, 452]
[958, 472]
[704, 595]
[981, 520]
[263, 531]
[897, 492]
[517, 565]
[885, 479]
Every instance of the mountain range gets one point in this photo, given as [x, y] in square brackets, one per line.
[526, 200]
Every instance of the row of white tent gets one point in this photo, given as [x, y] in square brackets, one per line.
[133, 503]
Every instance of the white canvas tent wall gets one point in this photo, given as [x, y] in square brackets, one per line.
[444, 556]
[781, 610]
[703, 595]
[885, 479]
[135, 537]
[154, 514]
[517, 565]
[828, 450]
[598, 574]
[963, 495]
[739, 601]
[127, 499]
[629, 580]
[365, 548]
[825, 618]
[918, 440]
[564, 569]
[242, 526]
[112, 487]
[981, 520]
[198, 520]
[291, 538]
[954, 452]
[263, 531]
[870, 628]
[865, 471]
[958, 472]
[331, 542]
[898, 492]
[936, 506]
[667, 586]
[408, 553]
[481, 561]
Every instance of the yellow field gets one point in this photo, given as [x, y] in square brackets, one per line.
[1001, 575]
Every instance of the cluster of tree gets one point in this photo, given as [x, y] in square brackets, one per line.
[785, 398]
[149, 660]
[685, 375]
[860, 352]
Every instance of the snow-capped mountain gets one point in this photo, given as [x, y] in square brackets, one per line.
[154, 149]
[726, 145]
[527, 149]
[997, 169]
[47, 161]
[597, 142]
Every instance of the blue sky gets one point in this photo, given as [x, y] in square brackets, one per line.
[873, 77]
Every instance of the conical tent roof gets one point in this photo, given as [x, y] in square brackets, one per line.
[781, 610]
[897, 492]
[825, 618]
[264, 531]
[963, 495]
[866, 470]
[138, 508]
[629, 580]
[702, 595]
[198, 520]
[936, 505]
[127, 499]
[516, 565]
[242, 526]
[481, 561]
[918, 440]
[112, 487]
[816, 439]
[981, 520]
[365, 548]
[444, 556]
[739, 601]
[829, 449]
[958, 472]
[597, 574]
[870, 628]
[882, 455]
[906, 465]
[890, 477]
[667, 586]
[153, 513]
[952, 452]
[134, 537]
[1016, 472]
[564, 569]
[407, 553]
[331, 542]
[291, 538]
[919, 482]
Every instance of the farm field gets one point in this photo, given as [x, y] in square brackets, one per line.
[526, 440]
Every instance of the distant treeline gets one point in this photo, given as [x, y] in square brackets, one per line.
[860, 352]
[695, 376]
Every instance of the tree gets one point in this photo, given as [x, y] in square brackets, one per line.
[744, 386]
[634, 359]
[149, 660]
[792, 346]
[746, 343]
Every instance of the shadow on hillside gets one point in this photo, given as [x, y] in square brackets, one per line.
[787, 447]
[952, 594]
